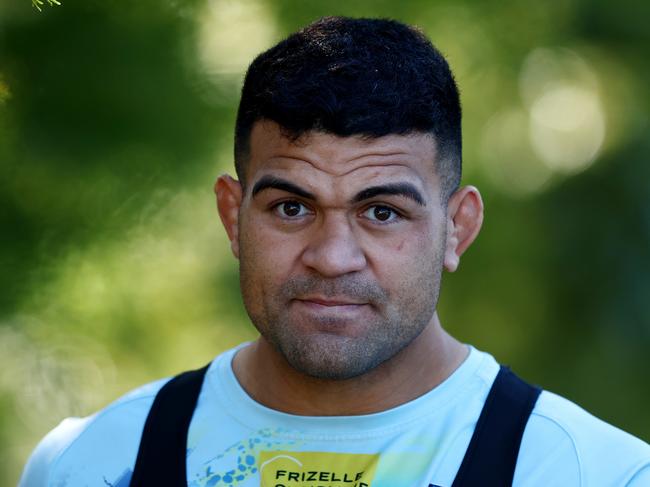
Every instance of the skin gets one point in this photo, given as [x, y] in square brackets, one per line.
[342, 242]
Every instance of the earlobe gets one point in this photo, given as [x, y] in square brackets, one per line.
[229, 199]
[464, 220]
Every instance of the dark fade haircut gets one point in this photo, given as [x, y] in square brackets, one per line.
[355, 77]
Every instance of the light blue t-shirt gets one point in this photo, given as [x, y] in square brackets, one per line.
[235, 441]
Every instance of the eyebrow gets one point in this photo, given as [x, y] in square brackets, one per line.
[406, 190]
[273, 182]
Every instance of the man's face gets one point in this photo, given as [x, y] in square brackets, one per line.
[341, 243]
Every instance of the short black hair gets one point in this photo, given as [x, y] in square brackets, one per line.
[345, 76]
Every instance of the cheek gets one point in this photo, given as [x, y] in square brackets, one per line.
[409, 245]
[408, 258]
[267, 258]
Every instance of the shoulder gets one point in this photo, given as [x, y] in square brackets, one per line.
[563, 441]
[112, 434]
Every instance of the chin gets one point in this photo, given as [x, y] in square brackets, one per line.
[330, 357]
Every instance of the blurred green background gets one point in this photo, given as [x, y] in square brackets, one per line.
[116, 118]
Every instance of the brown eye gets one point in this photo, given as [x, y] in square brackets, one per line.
[381, 214]
[291, 209]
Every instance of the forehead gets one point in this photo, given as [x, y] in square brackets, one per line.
[320, 158]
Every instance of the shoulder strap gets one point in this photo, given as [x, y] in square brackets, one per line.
[162, 454]
[492, 453]
[490, 458]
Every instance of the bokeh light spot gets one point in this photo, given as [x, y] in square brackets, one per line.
[231, 33]
[567, 119]
[508, 159]
[567, 128]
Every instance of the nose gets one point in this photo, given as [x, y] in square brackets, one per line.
[333, 249]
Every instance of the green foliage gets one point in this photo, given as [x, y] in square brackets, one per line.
[37, 4]
[5, 93]
[115, 118]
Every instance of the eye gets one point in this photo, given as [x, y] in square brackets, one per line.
[381, 214]
[291, 209]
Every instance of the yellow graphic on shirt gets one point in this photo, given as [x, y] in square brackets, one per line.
[316, 469]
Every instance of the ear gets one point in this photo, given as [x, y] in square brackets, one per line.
[229, 199]
[464, 220]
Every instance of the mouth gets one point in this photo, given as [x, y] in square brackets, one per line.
[333, 315]
[332, 310]
[331, 302]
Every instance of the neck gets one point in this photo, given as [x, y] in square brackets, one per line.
[427, 361]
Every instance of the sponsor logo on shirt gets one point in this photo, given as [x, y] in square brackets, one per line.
[316, 469]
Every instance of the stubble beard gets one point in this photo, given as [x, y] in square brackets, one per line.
[397, 320]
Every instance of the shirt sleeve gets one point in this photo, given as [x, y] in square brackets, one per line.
[42, 460]
[641, 478]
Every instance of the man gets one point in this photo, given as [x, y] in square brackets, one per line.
[346, 211]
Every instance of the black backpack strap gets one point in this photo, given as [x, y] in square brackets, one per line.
[491, 457]
[162, 454]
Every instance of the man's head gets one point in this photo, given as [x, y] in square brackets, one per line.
[348, 151]
[367, 77]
